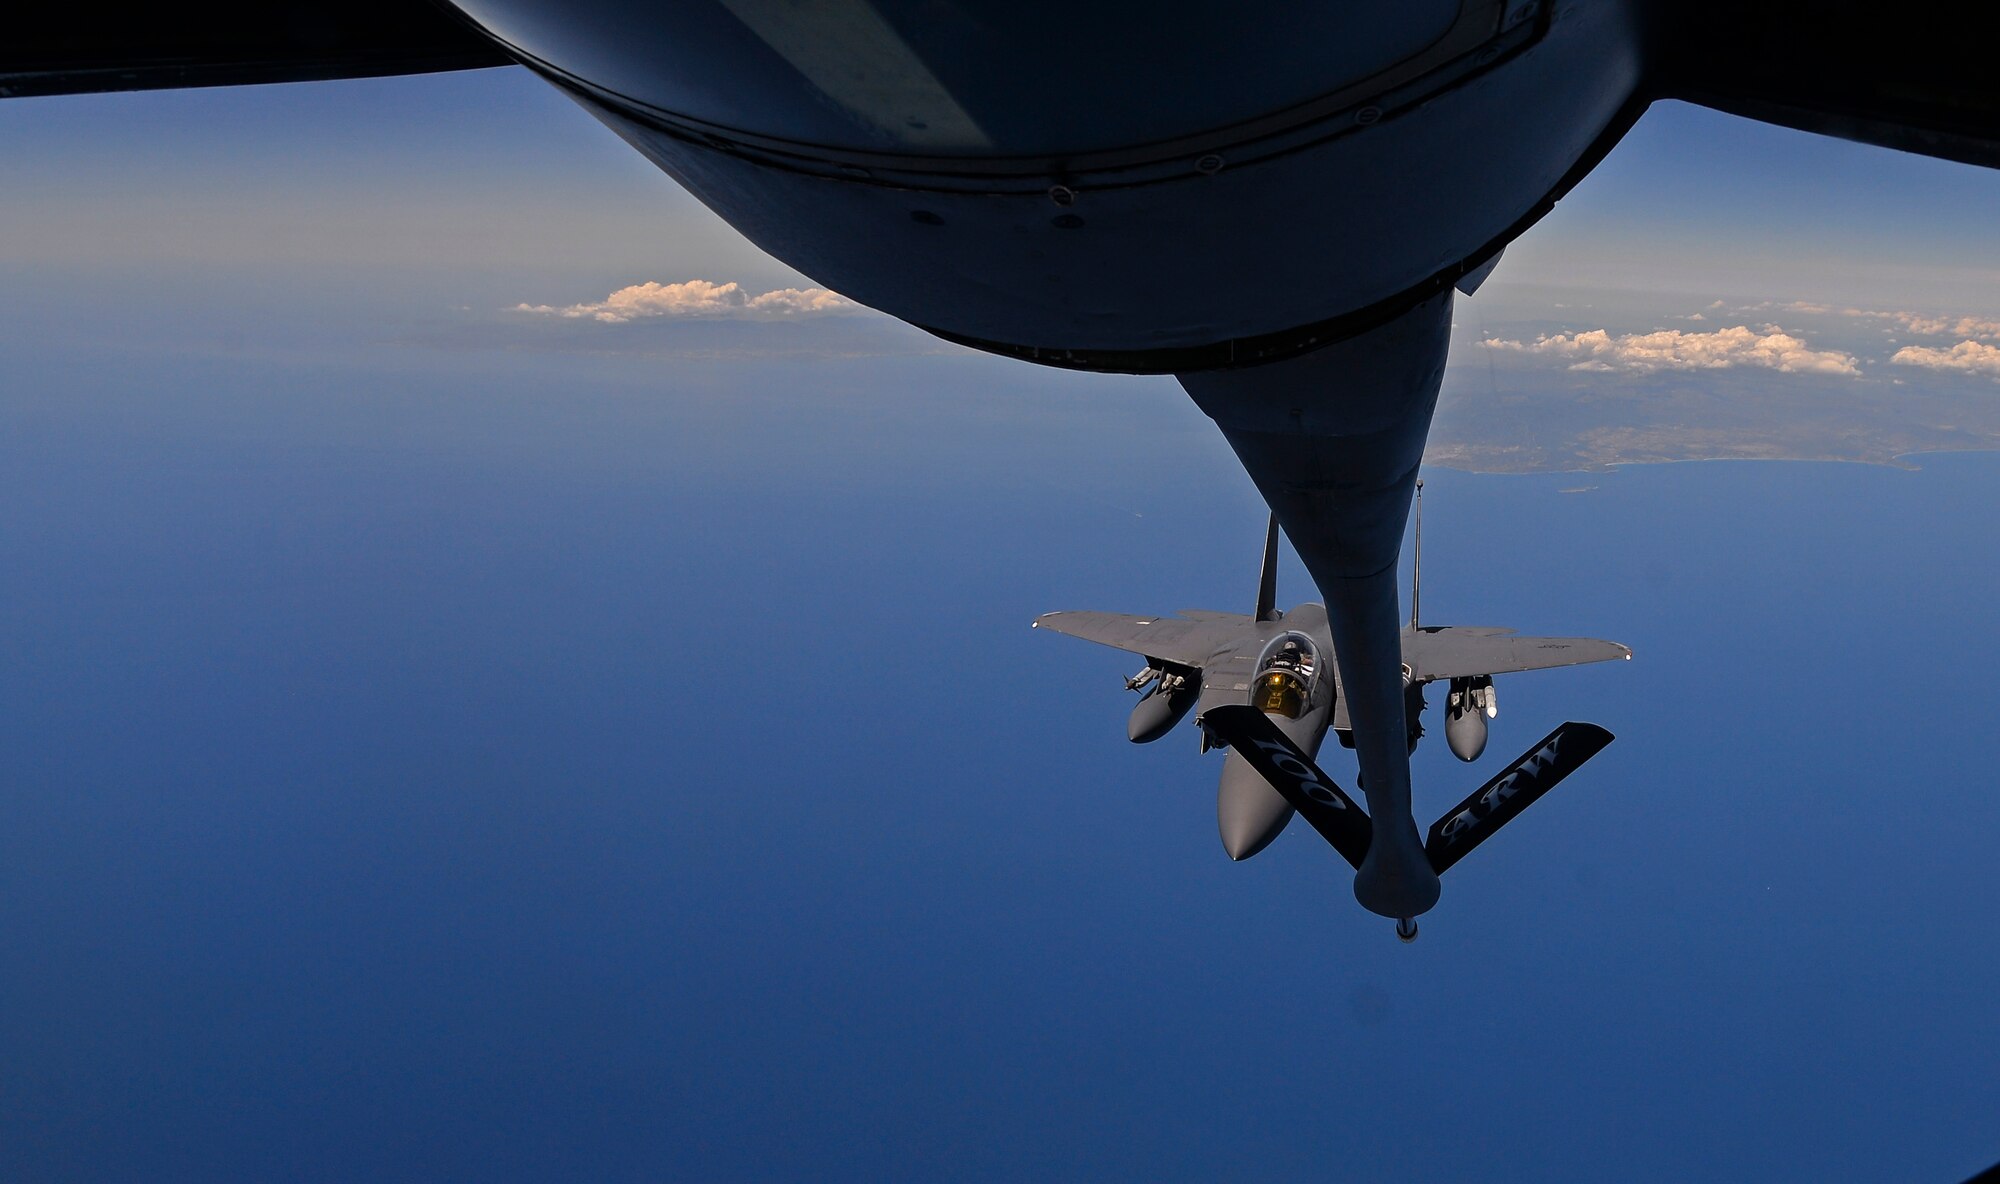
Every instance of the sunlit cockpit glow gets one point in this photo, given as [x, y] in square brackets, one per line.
[1285, 675]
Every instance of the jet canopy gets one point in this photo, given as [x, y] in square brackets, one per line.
[1287, 671]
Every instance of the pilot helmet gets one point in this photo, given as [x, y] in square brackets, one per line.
[1280, 692]
[1286, 671]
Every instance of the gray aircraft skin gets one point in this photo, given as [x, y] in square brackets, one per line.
[1274, 202]
[1285, 664]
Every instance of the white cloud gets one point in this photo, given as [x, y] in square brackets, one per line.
[1924, 326]
[698, 298]
[1967, 357]
[1672, 349]
[1921, 324]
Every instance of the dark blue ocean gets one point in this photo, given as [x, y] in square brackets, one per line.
[524, 769]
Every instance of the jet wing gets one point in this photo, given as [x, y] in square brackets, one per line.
[1171, 639]
[1209, 614]
[1446, 652]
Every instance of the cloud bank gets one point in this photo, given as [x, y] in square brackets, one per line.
[698, 298]
[1672, 349]
[1921, 324]
[1967, 357]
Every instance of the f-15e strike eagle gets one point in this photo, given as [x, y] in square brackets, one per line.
[1266, 686]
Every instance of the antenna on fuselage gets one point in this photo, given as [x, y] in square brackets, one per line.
[1417, 564]
[1267, 580]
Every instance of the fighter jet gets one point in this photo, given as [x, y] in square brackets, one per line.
[1266, 686]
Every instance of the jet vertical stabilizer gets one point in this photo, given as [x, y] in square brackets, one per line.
[1267, 579]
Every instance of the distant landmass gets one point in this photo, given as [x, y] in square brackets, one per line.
[1543, 420]
[1541, 380]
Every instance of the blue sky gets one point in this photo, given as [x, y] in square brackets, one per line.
[441, 742]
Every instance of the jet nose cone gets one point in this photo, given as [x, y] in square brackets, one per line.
[1248, 812]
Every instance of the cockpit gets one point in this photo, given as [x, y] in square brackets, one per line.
[1286, 673]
